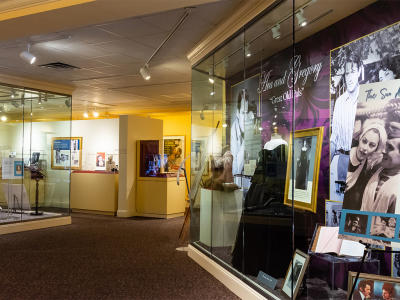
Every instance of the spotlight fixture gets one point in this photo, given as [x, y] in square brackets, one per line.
[95, 114]
[40, 100]
[247, 52]
[212, 93]
[224, 125]
[28, 56]
[13, 94]
[85, 115]
[276, 33]
[211, 80]
[3, 118]
[68, 103]
[301, 20]
[144, 71]
[260, 128]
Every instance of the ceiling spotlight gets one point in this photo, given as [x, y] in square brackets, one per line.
[247, 52]
[68, 103]
[13, 94]
[28, 56]
[144, 71]
[40, 100]
[211, 80]
[3, 118]
[224, 125]
[95, 114]
[300, 18]
[85, 115]
[276, 33]
[260, 128]
[212, 93]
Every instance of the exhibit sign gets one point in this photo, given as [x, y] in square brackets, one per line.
[66, 153]
[307, 145]
[174, 152]
[12, 168]
[371, 207]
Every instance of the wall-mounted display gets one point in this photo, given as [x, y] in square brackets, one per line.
[307, 145]
[66, 153]
[295, 274]
[100, 160]
[12, 168]
[371, 286]
[174, 153]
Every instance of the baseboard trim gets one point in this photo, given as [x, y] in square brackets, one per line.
[234, 284]
[33, 225]
[161, 216]
[94, 212]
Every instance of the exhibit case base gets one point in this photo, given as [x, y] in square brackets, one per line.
[35, 224]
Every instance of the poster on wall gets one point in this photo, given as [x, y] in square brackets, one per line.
[12, 168]
[197, 156]
[66, 153]
[371, 205]
[100, 161]
[174, 153]
[245, 126]
[372, 58]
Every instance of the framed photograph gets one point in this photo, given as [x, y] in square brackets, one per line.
[395, 263]
[174, 153]
[100, 161]
[300, 263]
[371, 286]
[333, 212]
[198, 156]
[66, 153]
[306, 158]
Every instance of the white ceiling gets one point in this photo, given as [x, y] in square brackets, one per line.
[109, 56]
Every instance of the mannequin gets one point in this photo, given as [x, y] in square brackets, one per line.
[276, 140]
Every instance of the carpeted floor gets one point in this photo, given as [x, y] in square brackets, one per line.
[100, 257]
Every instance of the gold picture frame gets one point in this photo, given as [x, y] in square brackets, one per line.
[378, 283]
[74, 150]
[309, 145]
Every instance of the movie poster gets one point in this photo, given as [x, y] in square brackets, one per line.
[174, 152]
[371, 205]
[373, 58]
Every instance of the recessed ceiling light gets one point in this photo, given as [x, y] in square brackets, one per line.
[3, 118]
[86, 115]
[95, 114]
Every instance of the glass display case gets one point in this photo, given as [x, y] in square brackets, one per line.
[32, 187]
[293, 120]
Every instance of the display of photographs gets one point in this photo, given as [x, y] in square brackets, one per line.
[333, 212]
[245, 123]
[12, 168]
[356, 223]
[100, 160]
[198, 156]
[372, 58]
[66, 153]
[306, 159]
[371, 286]
[174, 152]
[294, 276]
[396, 263]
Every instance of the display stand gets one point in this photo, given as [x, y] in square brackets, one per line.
[37, 212]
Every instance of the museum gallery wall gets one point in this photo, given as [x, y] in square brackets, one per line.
[337, 166]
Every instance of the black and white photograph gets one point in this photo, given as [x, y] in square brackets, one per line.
[396, 263]
[245, 136]
[373, 58]
[373, 174]
[303, 151]
[295, 274]
[383, 226]
[356, 223]
[333, 212]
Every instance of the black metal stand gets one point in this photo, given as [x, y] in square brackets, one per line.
[187, 210]
[37, 212]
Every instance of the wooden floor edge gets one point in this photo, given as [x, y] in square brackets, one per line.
[35, 224]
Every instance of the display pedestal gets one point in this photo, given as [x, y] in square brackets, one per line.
[219, 217]
[37, 212]
[335, 270]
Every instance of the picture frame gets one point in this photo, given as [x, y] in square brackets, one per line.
[300, 260]
[174, 152]
[333, 212]
[61, 150]
[377, 283]
[307, 145]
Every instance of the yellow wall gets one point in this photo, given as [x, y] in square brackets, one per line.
[178, 124]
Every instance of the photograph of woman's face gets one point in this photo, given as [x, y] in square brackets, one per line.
[368, 144]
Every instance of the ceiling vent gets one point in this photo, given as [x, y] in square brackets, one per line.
[59, 66]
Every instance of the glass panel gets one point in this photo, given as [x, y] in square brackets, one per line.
[31, 188]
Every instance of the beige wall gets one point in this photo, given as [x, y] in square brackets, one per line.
[131, 129]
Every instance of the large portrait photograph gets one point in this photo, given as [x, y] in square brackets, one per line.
[245, 123]
[372, 58]
[306, 158]
[371, 286]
